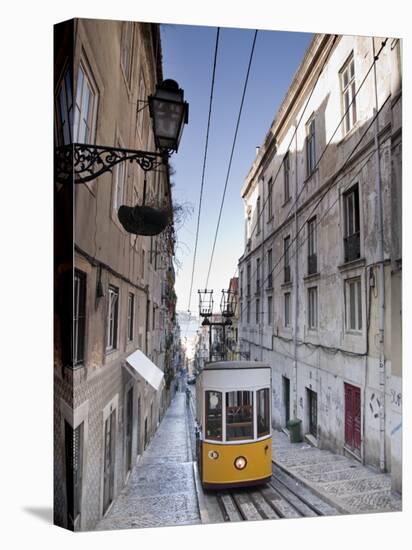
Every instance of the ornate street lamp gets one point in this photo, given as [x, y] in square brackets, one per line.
[170, 113]
[82, 162]
[205, 303]
[228, 303]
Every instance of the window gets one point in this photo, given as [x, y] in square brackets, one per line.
[64, 109]
[248, 312]
[353, 300]
[286, 246]
[74, 470]
[257, 311]
[84, 114]
[312, 257]
[248, 280]
[119, 179]
[112, 318]
[79, 316]
[154, 318]
[263, 412]
[286, 172]
[270, 205]
[351, 224]
[257, 275]
[213, 413]
[239, 415]
[140, 105]
[258, 216]
[287, 309]
[241, 285]
[310, 147]
[270, 269]
[312, 398]
[347, 80]
[127, 50]
[142, 264]
[269, 310]
[130, 317]
[313, 307]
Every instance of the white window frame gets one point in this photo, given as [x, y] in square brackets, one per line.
[286, 308]
[286, 177]
[126, 53]
[258, 216]
[130, 316]
[310, 146]
[270, 199]
[112, 318]
[85, 80]
[354, 283]
[348, 94]
[313, 308]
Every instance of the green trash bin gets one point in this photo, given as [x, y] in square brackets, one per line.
[294, 427]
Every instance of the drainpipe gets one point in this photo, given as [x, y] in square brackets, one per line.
[295, 328]
[382, 369]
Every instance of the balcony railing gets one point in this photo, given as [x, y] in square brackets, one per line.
[312, 264]
[352, 247]
[287, 274]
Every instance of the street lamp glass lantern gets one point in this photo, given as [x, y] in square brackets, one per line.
[169, 113]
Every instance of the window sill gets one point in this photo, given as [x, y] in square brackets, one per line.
[311, 277]
[287, 284]
[270, 220]
[353, 264]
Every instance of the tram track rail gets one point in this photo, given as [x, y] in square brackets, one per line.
[281, 497]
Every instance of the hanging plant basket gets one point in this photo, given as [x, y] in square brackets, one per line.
[143, 220]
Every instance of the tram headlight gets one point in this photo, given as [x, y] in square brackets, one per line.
[213, 455]
[240, 462]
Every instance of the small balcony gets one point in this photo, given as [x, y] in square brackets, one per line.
[352, 247]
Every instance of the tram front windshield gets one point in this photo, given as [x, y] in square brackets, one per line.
[239, 415]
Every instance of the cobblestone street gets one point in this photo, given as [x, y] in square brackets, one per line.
[161, 489]
[344, 482]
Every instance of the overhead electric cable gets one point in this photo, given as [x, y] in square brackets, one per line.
[231, 155]
[204, 167]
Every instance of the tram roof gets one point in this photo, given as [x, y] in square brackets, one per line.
[232, 365]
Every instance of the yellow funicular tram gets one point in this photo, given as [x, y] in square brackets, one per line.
[234, 437]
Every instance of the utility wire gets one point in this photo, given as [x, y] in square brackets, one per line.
[376, 57]
[231, 156]
[333, 181]
[204, 166]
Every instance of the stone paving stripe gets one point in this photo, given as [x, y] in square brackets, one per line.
[247, 507]
[230, 508]
[324, 508]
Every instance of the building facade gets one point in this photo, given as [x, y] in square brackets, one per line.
[106, 411]
[320, 276]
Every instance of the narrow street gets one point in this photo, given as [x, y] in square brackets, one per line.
[164, 488]
[161, 488]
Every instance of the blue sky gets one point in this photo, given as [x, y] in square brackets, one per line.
[188, 53]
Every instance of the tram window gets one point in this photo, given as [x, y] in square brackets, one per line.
[239, 415]
[263, 417]
[213, 401]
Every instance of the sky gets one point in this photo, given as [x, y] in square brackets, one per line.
[188, 54]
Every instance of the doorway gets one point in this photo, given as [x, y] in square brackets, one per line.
[352, 418]
[109, 457]
[129, 428]
[312, 412]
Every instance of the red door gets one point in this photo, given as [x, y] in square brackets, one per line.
[352, 417]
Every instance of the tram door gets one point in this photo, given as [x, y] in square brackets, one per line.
[109, 450]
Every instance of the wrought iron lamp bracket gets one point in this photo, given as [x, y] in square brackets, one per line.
[81, 163]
